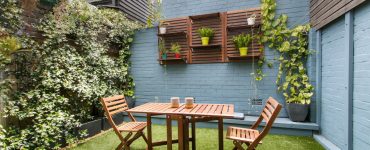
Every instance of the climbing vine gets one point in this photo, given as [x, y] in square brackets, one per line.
[292, 45]
[83, 55]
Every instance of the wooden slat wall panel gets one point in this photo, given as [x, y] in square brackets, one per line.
[135, 9]
[210, 54]
[238, 18]
[237, 24]
[176, 26]
[323, 12]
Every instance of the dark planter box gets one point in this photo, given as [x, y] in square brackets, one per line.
[118, 119]
[93, 127]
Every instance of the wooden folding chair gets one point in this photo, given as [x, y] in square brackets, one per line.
[252, 137]
[117, 104]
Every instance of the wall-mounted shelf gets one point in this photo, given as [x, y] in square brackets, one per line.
[206, 46]
[239, 27]
[172, 61]
[180, 33]
[221, 48]
[236, 23]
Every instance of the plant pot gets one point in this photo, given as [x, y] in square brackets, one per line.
[205, 41]
[177, 55]
[164, 56]
[251, 21]
[162, 30]
[297, 112]
[130, 101]
[243, 51]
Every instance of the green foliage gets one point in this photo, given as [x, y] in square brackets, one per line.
[242, 40]
[175, 47]
[206, 32]
[10, 16]
[155, 11]
[73, 67]
[292, 46]
[162, 47]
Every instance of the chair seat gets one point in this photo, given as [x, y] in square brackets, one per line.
[242, 134]
[132, 126]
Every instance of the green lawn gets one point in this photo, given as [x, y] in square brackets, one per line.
[207, 139]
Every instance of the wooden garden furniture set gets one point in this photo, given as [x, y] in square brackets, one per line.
[199, 113]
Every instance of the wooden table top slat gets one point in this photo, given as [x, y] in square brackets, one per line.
[221, 110]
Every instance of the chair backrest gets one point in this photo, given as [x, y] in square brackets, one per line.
[113, 105]
[269, 114]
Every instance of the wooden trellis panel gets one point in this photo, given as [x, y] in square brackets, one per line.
[177, 30]
[236, 22]
[213, 52]
[221, 47]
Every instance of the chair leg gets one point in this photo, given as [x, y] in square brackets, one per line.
[238, 146]
[136, 136]
[120, 146]
[145, 139]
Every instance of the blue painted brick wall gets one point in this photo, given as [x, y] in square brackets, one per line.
[208, 83]
[333, 124]
[361, 97]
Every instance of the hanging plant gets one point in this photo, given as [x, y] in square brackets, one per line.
[292, 45]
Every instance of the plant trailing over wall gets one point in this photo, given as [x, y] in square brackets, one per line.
[83, 56]
[292, 46]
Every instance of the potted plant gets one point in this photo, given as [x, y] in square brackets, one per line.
[241, 42]
[175, 48]
[206, 34]
[162, 27]
[252, 19]
[162, 49]
[298, 107]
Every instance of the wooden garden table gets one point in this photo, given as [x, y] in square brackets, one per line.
[200, 112]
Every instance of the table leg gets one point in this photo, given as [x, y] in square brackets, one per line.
[193, 144]
[149, 129]
[169, 132]
[186, 133]
[220, 134]
[181, 132]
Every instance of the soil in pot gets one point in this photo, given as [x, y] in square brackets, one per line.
[297, 112]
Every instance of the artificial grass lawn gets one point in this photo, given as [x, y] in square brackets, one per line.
[207, 139]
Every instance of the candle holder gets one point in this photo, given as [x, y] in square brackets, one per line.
[189, 102]
[175, 102]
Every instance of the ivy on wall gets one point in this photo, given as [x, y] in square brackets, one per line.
[82, 56]
[292, 45]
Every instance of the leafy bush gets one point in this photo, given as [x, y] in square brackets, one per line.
[84, 55]
[206, 32]
[242, 40]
